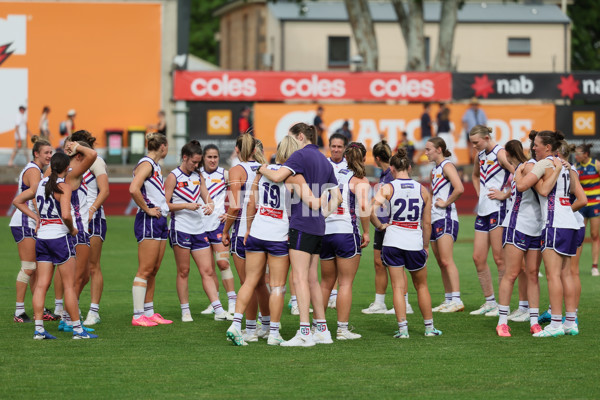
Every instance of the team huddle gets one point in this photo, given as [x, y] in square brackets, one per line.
[301, 211]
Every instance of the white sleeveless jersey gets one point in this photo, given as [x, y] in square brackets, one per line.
[92, 189]
[51, 223]
[79, 207]
[241, 224]
[578, 217]
[271, 221]
[337, 167]
[18, 218]
[406, 211]
[491, 175]
[187, 190]
[217, 189]
[524, 212]
[153, 189]
[556, 208]
[441, 188]
[343, 220]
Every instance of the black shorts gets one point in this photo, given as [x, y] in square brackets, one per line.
[303, 241]
[378, 240]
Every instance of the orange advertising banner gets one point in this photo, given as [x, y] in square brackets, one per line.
[101, 59]
[370, 123]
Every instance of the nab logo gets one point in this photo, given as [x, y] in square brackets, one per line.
[218, 122]
[584, 123]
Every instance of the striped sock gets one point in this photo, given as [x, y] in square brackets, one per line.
[294, 301]
[343, 326]
[58, 305]
[39, 325]
[20, 309]
[77, 326]
[250, 325]
[94, 308]
[503, 313]
[185, 308]
[534, 313]
[304, 328]
[237, 321]
[556, 321]
[570, 319]
[491, 300]
[402, 326]
[216, 305]
[456, 297]
[428, 323]
[149, 309]
[274, 328]
[333, 293]
[265, 321]
[448, 297]
[523, 305]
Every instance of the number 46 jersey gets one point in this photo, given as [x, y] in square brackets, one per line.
[271, 221]
[406, 210]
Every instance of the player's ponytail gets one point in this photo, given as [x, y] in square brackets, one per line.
[400, 160]
[355, 158]
[58, 164]
[285, 149]
[440, 143]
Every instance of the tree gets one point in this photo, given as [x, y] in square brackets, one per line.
[585, 35]
[202, 29]
[363, 31]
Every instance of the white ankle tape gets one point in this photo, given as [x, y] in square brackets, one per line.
[226, 274]
[140, 280]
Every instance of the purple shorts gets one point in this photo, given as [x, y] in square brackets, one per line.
[487, 223]
[97, 226]
[277, 249]
[237, 247]
[22, 232]
[412, 260]
[55, 251]
[344, 245]
[580, 237]
[443, 227]
[561, 240]
[214, 237]
[82, 238]
[147, 227]
[188, 241]
[520, 240]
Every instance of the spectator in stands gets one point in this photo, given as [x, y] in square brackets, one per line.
[161, 125]
[244, 122]
[321, 127]
[345, 130]
[21, 132]
[426, 126]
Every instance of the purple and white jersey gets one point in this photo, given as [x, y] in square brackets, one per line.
[524, 213]
[491, 176]
[319, 175]
[441, 188]
[216, 183]
[18, 218]
[153, 188]
[241, 223]
[79, 208]
[337, 167]
[187, 190]
[271, 221]
[556, 208]
[406, 211]
[89, 178]
[343, 220]
[578, 216]
[386, 177]
[51, 222]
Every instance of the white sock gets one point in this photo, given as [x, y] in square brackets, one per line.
[139, 292]
[20, 309]
[456, 297]
[58, 306]
[380, 298]
[333, 293]
[294, 301]
[523, 305]
[503, 314]
[428, 323]
[570, 319]
[343, 326]
[265, 322]
[491, 300]
[321, 325]
[406, 299]
[185, 308]
[149, 309]
[274, 328]
[556, 320]
[39, 325]
[447, 297]
[232, 297]
[402, 326]
[216, 305]
[77, 328]
[250, 325]
[237, 321]
[534, 314]
[94, 308]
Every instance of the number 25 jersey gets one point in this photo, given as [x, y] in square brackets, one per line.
[406, 210]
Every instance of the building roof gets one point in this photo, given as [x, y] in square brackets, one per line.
[384, 12]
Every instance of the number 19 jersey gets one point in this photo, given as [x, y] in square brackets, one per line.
[271, 221]
[406, 210]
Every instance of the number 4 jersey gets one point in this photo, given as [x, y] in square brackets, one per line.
[406, 210]
[271, 221]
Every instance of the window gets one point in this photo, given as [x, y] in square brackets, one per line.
[519, 46]
[339, 51]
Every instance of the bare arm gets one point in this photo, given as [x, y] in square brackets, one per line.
[298, 184]
[545, 185]
[78, 168]
[360, 188]
[65, 207]
[21, 203]
[236, 175]
[577, 190]
[503, 161]
[452, 175]
[475, 175]
[381, 197]
[252, 202]
[276, 176]
[426, 218]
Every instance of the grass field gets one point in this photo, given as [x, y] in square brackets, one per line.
[194, 360]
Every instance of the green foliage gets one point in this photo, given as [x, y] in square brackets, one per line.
[194, 360]
[203, 27]
[585, 34]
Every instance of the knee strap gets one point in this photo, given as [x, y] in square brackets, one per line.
[278, 290]
[226, 274]
[30, 265]
[222, 256]
[23, 277]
